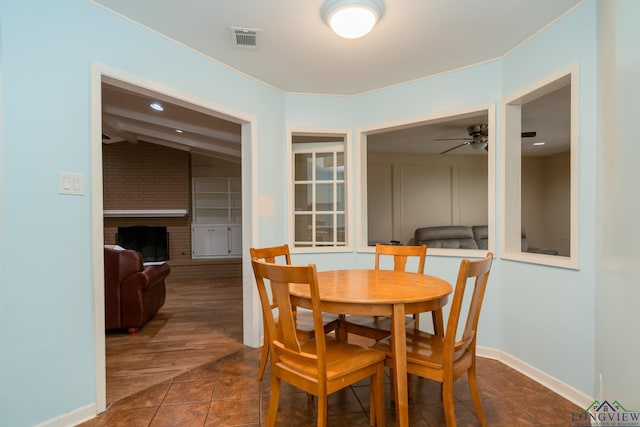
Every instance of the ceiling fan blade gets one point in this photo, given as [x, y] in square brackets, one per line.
[528, 134]
[457, 146]
[452, 139]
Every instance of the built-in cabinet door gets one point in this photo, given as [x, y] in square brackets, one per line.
[210, 240]
[235, 240]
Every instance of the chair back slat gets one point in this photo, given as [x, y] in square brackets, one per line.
[400, 256]
[476, 274]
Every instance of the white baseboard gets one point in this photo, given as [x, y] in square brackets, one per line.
[570, 393]
[72, 418]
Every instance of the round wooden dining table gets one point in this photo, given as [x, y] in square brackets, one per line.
[381, 293]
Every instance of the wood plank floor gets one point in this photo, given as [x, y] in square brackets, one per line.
[200, 322]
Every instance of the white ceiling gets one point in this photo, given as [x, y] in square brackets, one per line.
[297, 52]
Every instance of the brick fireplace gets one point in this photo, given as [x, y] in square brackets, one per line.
[153, 183]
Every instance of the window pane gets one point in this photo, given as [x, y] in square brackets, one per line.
[340, 197]
[324, 197]
[340, 228]
[324, 166]
[303, 197]
[324, 228]
[340, 166]
[302, 167]
[303, 228]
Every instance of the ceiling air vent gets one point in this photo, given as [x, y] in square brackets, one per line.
[244, 37]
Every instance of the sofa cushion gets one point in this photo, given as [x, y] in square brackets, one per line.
[446, 236]
[481, 236]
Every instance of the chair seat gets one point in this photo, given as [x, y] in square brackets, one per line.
[377, 322]
[304, 322]
[376, 327]
[342, 358]
[424, 348]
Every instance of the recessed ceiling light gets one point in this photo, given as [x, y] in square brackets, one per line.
[538, 143]
[156, 106]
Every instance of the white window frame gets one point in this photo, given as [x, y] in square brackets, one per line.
[315, 148]
[361, 177]
[510, 173]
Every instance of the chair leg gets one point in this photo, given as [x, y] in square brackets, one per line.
[376, 404]
[392, 387]
[274, 401]
[263, 360]
[322, 410]
[448, 403]
[475, 394]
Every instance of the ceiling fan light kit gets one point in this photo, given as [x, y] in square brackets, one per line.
[352, 19]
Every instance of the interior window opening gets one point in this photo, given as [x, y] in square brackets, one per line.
[540, 173]
[428, 182]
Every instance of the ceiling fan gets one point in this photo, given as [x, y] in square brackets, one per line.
[479, 137]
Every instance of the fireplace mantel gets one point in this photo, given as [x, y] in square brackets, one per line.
[144, 213]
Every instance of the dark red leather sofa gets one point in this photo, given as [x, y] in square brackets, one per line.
[133, 292]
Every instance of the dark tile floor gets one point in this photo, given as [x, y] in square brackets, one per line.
[226, 393]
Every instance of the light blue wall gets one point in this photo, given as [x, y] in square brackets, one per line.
[47, 53]
[567, 296]
[617, 315]
[543, 316]
[547, 314]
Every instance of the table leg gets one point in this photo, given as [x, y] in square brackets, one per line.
[341, 333]
[399, 350]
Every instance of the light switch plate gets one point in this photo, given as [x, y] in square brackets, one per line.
[71, 183]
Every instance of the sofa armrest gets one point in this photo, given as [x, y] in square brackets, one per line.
[148, 277]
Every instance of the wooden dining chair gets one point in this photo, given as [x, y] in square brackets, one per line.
[445, 359]
[321, 365]
[379, 327]
[304, 319]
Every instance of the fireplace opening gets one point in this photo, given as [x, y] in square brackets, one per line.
[151, 242]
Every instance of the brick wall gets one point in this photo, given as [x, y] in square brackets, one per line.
[150, 176]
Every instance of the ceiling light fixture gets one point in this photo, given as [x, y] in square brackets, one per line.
[538, 143]
[352, 19]
[156, 106]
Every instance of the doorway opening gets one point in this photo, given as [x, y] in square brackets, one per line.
[197, 137]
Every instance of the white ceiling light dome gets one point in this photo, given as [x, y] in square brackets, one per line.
[352, 19]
